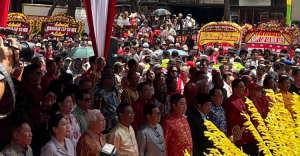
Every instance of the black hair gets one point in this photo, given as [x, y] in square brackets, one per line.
[121, 109]
[71, 88]
[254, 51]
[261, 67]
[198, 73]
[157, 75]
[235, 82]
[48, 62]
[140, 86]
[65, 78]
[92, 59]
[59, 99]
[283, 77]
[278, 66]
[170, 70]
[53, 122]
[274, 75]
[57, 59]
[283, 51]
[211, 51]
[220, 58]
[28, 70]
[175, 53]
[55, 87]
[212, 91]
[148, 110]
[131, 63]
[266, 80]
[79, 94]
[202, 98]
[155, 81]
[41, 33]
[168, 81]
[261, 52]
[175, 99]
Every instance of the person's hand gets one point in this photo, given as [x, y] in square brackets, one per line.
[231, 138]
[6, 53]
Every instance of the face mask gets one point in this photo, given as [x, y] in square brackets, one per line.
[182, 76]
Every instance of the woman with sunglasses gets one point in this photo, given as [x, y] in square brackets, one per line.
[58, 144]
[173, 71]
[64, 106]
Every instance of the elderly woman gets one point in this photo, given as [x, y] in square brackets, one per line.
[59, 144]
[77, 70]
[87, 144]
[64, 106]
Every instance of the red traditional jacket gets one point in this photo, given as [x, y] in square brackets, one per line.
[233, 107]
[177, 135]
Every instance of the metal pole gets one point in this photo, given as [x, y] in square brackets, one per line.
[31, 1]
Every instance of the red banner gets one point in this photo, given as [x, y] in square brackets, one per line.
[59, 24]
[269, 40]
[20, 23]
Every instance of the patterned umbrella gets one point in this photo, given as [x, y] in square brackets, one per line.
[161, 12]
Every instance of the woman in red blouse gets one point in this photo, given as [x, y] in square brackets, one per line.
[49, 52]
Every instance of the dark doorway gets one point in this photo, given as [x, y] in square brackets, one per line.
[200, 14]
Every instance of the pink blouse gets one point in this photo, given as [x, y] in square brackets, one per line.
[212, 58]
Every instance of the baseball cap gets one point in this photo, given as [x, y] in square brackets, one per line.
[38, 45]
[297, 50]
[156, 66]
[254, 86]
[236, 42]
[45, 40]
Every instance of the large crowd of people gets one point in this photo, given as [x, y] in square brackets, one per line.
[151, 102]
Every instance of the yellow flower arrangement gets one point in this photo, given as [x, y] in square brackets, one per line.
[221, 26]
[277, 135]
[18, 17]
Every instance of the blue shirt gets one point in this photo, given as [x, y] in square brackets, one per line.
[217, 116]
[107, 101]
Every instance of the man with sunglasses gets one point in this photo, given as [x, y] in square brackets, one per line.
[83, 101]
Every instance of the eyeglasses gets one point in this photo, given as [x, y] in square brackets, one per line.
[174, 71]
[130, 112]
[157, 114]
[87, 100]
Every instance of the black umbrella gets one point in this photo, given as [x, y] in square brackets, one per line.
[121, 22]
[161, 12]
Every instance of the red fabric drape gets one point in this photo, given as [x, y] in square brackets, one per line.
[89, 15]
[110, 19]
[4, 12]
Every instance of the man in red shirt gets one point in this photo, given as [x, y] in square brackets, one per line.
[236, 131]
[145, 94]
[49, 76]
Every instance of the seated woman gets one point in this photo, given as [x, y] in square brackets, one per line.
[59, 144]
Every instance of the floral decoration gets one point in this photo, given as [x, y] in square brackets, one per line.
[18, 17]
[221, 26]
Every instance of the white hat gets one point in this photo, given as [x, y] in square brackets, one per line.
[185, 47]
[297, 50]
[188, 17]
[38, 45]
[146, 45]
[45, 40]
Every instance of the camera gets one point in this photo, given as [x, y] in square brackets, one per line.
[26, 48]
